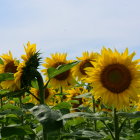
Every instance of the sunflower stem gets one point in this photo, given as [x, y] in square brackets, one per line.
[41, 87]
[94, 111]
[22, 119]
[42, 98]
[61, 91]
[1, 104]
[116, 125]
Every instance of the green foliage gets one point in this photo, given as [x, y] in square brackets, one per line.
[1, 61]
[47, 117]
[62, 105]
[6, 76]
[132, 115]
[34, 83]
[16, 131]
[52, 72]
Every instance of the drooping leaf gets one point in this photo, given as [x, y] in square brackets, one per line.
[6, 76]
[132, 115]
[52, 72]
[47, 117]
[83, 114]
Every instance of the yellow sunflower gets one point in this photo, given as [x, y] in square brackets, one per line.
[72, 93]
[25, 65]
[30, 51]
[138, 104]
[115, 78]
[10, 66]
[85, 61]
[64, 79]
[49, 93]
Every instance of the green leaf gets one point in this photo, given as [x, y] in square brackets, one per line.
[134, 137]
[3, 92]
[52, 72]
[74, 122]
[75, 114]
[16, 131]
[34, 83]
[10, 109]
[10, 106]
[85, 135]
[26, 99]
[88, 134]
[28, 105]
[1, 61]
[47, 117]
[74, 101]
[6, 76]
[132, 115]
[61, 105]
[83, 114]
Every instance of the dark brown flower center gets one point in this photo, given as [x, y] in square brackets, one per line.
[116, 78]
[84, 65]
[62, 76]
[47, 93]
[10, 67]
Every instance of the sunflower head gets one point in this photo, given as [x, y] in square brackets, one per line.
[85, 61]
[9, 65]
[72, 93]
[26, 70]
[49, 93]
[115, 78]
[64, 79]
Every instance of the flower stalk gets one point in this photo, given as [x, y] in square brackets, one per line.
[116, 125]
[42, 98]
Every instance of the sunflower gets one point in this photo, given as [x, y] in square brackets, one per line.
[24, 73]
[73, 92]
[138, 104]
[64, 79]
[85, 61]
[30, 51]
[49, 93]
[9, 65]
[115, 78]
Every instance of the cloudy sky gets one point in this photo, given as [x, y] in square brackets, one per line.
[71, 26]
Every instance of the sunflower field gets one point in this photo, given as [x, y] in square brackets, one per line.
[94, 97]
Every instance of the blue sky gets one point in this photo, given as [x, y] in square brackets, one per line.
[71, 26]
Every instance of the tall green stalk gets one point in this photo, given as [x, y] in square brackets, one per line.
[94, 111]
[1, 103]
[42, 98]
[22, 119]
[41, 87]
[61, 94]
[116, 125]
